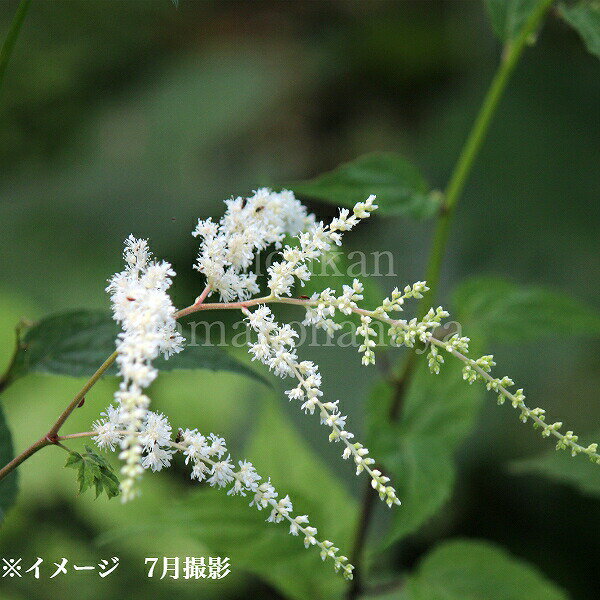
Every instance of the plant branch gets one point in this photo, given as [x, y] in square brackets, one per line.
[11, 37]
[72, 436]
[52, 436]
[15, 462]
[53, 433]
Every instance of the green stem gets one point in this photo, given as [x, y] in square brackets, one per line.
[510, 57]
[11, 38]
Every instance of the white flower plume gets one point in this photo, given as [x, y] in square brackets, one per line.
[142, 306]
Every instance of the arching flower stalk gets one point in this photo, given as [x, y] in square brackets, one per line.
[210, 461]
[408, 333]
[227, 251]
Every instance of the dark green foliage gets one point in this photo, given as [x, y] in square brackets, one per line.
[93, 471]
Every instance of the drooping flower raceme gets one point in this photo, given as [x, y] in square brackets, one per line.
[276, 348]
[210, 461]
[142, 306]
[227, 251]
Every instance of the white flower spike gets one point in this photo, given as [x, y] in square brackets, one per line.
[227, 252]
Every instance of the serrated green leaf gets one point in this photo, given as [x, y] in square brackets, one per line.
[477, 570]
[8, 485]
[93, 471]
[561, 468]
[509, 16]
[400, 188]
[73, 460]
[98, 484]
[584, 17]
[226, 524]
[509, 312]
[76, 343]
[110, 484]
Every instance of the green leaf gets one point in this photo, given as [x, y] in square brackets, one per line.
[560, 467]
[509, 16]
[477, 570]
[93, 471]
[509, 312]
[227, 525]
[400, 188]
[424, 477]
[76, 343]
[585, 19]
[8, 485]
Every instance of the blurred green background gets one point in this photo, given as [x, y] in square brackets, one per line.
[134, 117]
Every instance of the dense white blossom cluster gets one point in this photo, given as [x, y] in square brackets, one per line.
[142, 306]
[228, 248]
[210, 461]
[227, 251]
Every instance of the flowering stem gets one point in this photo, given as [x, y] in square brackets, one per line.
[430, 339]
[72, 436]
[11, 38]
[52, 436]
[193, 307]
[326, 547]
[196, 307]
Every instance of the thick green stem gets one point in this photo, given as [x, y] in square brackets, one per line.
[510, 57]
[11, 38]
